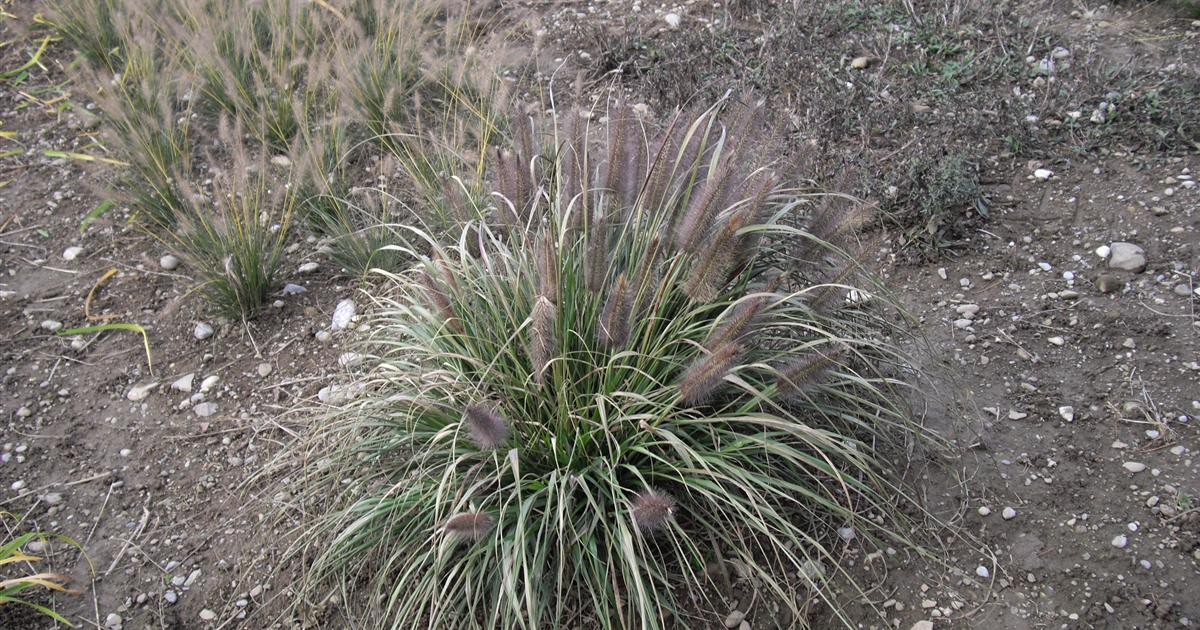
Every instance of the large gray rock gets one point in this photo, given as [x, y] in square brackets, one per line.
[1128, 257]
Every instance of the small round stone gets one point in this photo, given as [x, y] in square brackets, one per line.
[984, 511]
[168, 262]
[1009, 514]
[203, 331]
[1120, 541]
[207, 615]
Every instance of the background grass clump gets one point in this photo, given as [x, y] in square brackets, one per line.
[650, 353]
[327, 100]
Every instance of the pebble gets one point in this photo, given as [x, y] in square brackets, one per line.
[1016, 415]
[928, 603]
[1134, 467]
[264, 369]
[168, 262]
[203, 331]
[140, 392]
[1058, 341]
[209, 383]
[673, 20]
[308, 267]
[52, 325]
[1103, 251]
[941, 272]
[923, 624]
[113, 621]
[734, 619]
[51, 498]
[205, 409]
[292, 289]
[982, 571]
[1009, 514]
[962, 323]
[1108, 284]
[350, 359]
[847, 533]
[1178, 450]
[184, 383]
[256, 591]
[1120, 541]
[1045, 266]
[1043, 174]
[860, 62]
[342, 315]
[207, 615]
[1127, 257]
[324, 336]
[1183, 290]
[71, 253]
[1067, 412]
[24, 412]
[18, 484]
[171, 597]
[125, 452]
[192, 577]
[984, 511]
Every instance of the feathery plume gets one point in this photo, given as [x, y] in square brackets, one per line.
[806, 372]
[646, 280]
[486, 428]
[613, 331]
[547, 267]
[438, 301]
[469, 526]
[708, 273]
[702, 208]
[740, 323]
[702, 379]
[618, 135]
[543, 345]
[652, 510]
[597, 255]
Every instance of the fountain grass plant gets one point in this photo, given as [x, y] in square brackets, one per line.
[618, 375]
[327, 89]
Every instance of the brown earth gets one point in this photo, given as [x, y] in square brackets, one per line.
[155, 494]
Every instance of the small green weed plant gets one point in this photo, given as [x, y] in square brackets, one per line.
[18, 589]
[649, 354]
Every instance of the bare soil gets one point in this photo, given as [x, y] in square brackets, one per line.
[155, 494]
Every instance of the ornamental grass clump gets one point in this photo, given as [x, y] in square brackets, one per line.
[617, 375]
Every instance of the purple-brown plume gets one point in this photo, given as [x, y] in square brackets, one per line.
[806, 372]
[470, 525]
[486, 428]
[652, 510]
[704, 377]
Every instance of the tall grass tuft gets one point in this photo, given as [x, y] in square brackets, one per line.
[558, 430]
[372, 112]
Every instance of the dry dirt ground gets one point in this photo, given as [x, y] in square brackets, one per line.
[1073, 494]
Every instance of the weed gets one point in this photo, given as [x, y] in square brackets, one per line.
[606, 375]
[16, 589]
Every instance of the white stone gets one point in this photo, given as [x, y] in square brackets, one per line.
[350, 359]
[168, 262]
[962, 323]
[1016, 415]
[140, 392]
[205, 409]
[324, 336]
[203, 331]
[342, 315]
[1120, 541]
[984, 511]
[1127, 257]
[1067, 412]
[207, 615]
[673, 20]
[1134, 467]
[184, 383]
[860, 62]
[1008, 514]
[113, 621]
[264, 369]
[982, 571]
[208, 383]
[923, 624]
[71, 253]
[1058, 341]
[1045, 266]
[734, 619]
[309, 267]
[1043, 174]
[52, 325]
[1103, 251]
[51, 498]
